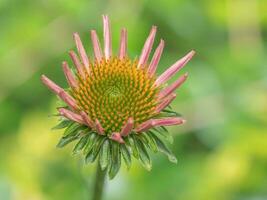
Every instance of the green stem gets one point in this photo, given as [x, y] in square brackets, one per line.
[99, 183]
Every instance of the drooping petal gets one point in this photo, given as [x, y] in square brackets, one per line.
[81, 50]
[168, 121]
[71, 115]
[173, 69]
[117, 137]
[165, 102]
[171, 88]
[107, 37]
[77, 63]
[147, 47]
[99, 127]
[144, 126]
[156, 57]
[69, 76]
[68, 100]
[123, 44]
[159, 122]
[87, 119]
[96, 46]
[51, 85]
[127, 127]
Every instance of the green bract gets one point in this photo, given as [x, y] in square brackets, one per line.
[110, 153]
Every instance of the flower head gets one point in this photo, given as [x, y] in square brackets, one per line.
[116, 106]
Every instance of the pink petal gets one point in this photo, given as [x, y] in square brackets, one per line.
[87, 119]
[123, 44]
[156, 57]
[68, 100]
[144, 126]
[71, 115]
[51, 85]
[173, 69]
[168, 90]
[96, 46]
[69, 76]
[117, 137]
[165, 102]
[168, 121]
[127, 127]
[81, 50]
[107, 37]
[147, 47]
[99, 127]
[77, 63]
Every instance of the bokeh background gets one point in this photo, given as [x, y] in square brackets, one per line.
[222, 150]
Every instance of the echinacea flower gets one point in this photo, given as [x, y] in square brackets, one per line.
[117, 107]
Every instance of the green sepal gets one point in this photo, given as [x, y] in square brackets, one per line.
[80, 145]
[67, 139]
[133, 146]
[90, 143]
[62, 124]
[72, 129]
[126, 155]
[170, 113]
[104, 156]
[143, 154]
[92, 155]
[149, 141]
[163, 132]
[163, 148]
[116, 160]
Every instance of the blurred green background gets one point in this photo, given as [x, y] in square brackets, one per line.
[222, 150]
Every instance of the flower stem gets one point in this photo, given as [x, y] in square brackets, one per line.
[99, 183]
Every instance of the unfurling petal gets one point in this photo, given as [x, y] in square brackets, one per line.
[171, 88]
[159, 122]
[68, 100]
[173, 69]
[69, 76]
[99, 127]
[107, 37]
[156, 57]
[71, 115]
[123, 44]
[144, 126]
[127, 127]
[117, 137]
[168, 121]
[81, 50]
[87, 119]
[51, 85]
[96, 46]
[147, 47]
[165, 102]
[77, 63]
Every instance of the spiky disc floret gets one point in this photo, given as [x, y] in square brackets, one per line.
[116, 90]
[116, 107]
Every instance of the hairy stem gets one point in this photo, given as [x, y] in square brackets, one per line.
[99, 183]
